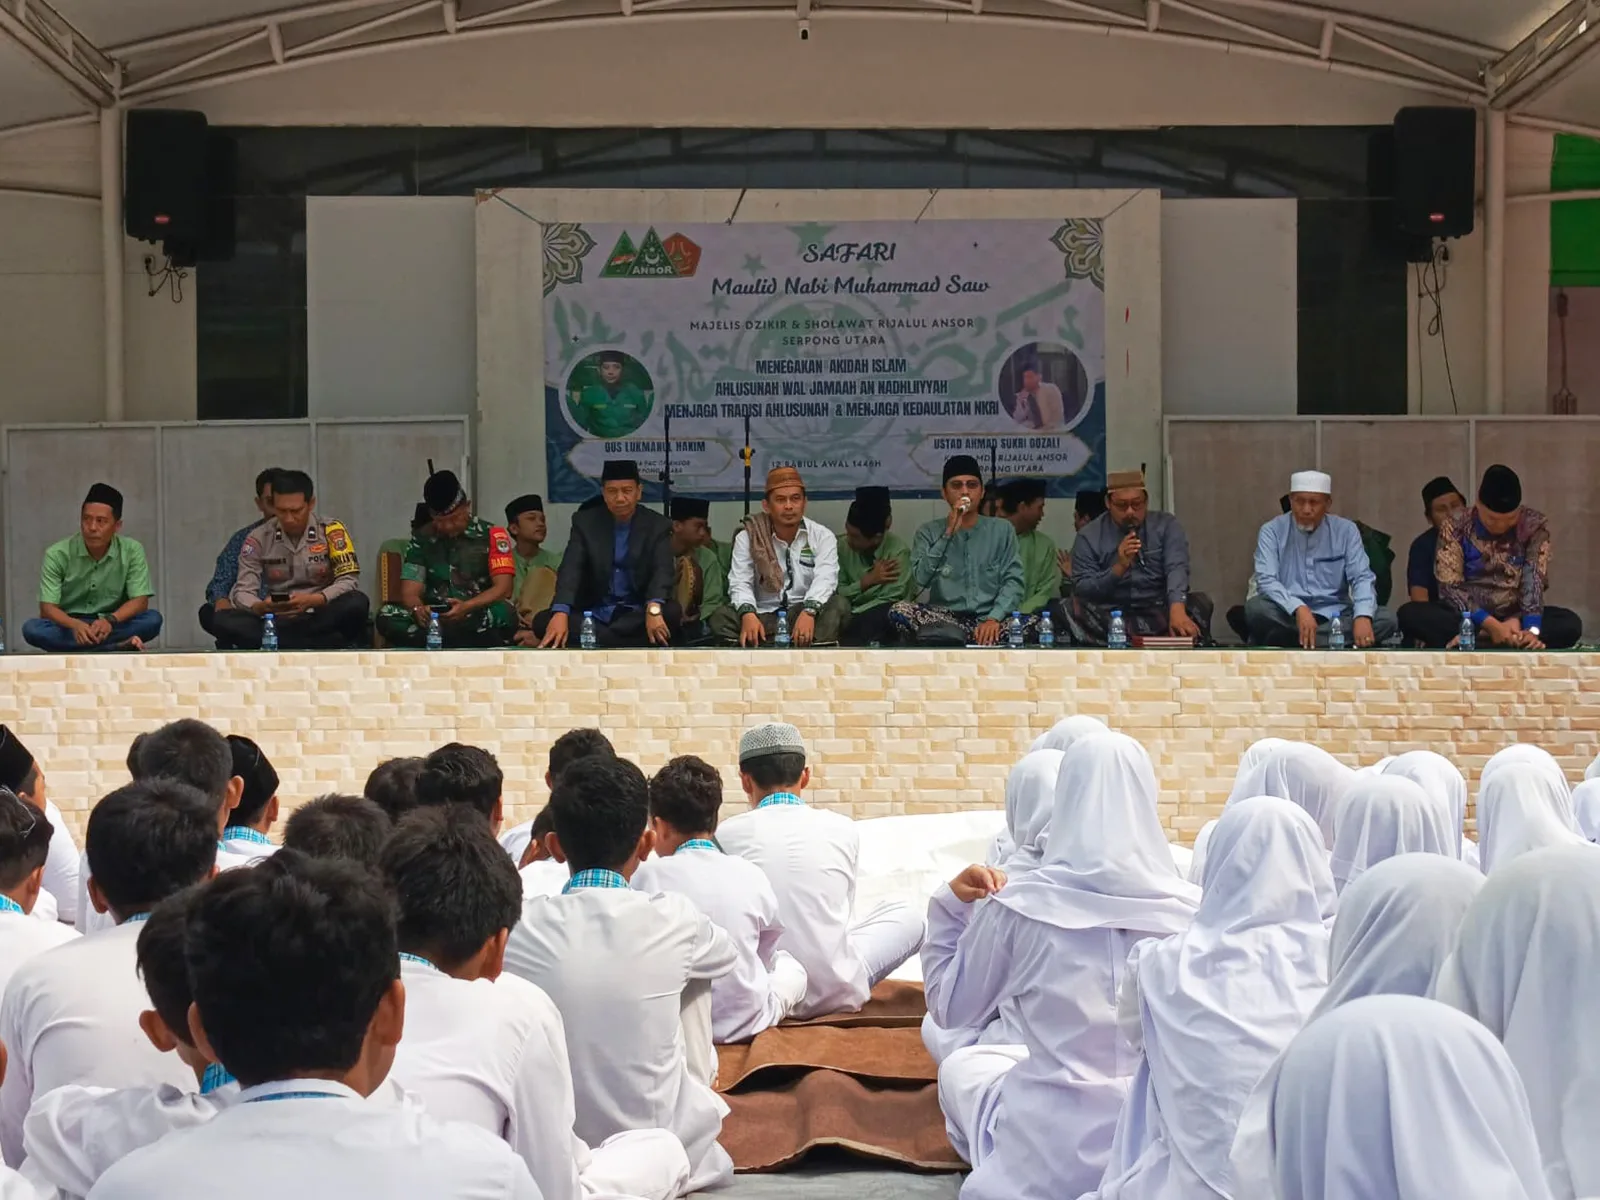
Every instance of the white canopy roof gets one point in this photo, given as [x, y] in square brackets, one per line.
[64, 59]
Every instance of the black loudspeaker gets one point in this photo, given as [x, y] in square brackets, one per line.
[164, 179]
[1435, 171]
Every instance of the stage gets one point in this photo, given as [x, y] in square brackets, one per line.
[891, 731]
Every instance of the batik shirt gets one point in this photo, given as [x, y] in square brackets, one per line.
[1493, 576]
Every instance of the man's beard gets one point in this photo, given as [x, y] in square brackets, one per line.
[1304, 528]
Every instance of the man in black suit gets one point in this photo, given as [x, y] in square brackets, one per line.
[618, 565]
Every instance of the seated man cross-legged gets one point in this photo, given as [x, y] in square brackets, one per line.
[874, 568]
[94, 590]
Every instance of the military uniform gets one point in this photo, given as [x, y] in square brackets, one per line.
[457, 568]
[271, 563]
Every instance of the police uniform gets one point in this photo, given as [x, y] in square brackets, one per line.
[271, 563]
[457, 568]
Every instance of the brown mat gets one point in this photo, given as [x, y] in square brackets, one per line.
[876, 1055]
[769, 1129]
[893, 1003]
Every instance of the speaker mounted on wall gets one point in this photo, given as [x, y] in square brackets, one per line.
[178, 185]
[1435, 176]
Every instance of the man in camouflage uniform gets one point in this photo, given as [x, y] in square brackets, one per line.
[460, 564]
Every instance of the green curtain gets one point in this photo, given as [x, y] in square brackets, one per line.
[1575, 224]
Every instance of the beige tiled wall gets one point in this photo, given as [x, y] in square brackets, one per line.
[890, 731]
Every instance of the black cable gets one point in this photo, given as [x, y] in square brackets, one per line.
[1433, 283]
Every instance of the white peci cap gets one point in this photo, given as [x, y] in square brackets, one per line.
[1311, 481]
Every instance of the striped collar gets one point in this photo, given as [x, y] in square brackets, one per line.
[137, 919]
[7, 904]
[216, 1076]
[243, 833]
[594, 877]
[418, 959]
[698, 844]
[780, 798]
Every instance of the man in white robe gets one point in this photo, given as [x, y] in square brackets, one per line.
[810, 855]
[21, 772]
[490, 1049]
[71, 1014]
[25, 839]
[564, 751]
[294, 966]
[257, 811]
[617, 963]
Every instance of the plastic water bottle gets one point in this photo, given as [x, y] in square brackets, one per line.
[1117, 635]
[781, 637]
[1047, 631]
[2, 637]
[586, 634]
[269, 633]
[1468, 635]
[1336, 634]
[1014, 631]
[435, 638]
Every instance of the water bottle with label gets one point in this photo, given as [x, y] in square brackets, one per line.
[269, 633]
[1117, 635]
[1047, 631]
[435, 638]
[587, 638]
[781, 638]
[1336, 633]
[1467, 635]
[1014, 631]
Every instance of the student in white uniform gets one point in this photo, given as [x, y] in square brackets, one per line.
[1057, 941]
[1400, 1098]
[1381, 816]
[21, 772]
[1064, 732]
[392, 786]
[71, 1015]
[766, 983]
[295, 971]
[74, 1134]
[25, 837]
[458, 774]
[352, 828]
[810, 855]
[541, 872]
[490, 1049]
[617, 962]
[1030, 794]
[564, 751]
[1438, 776]
[1521, 808]
[1524, 966]
[257, 811]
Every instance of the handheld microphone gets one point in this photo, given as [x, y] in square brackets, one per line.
[963, 505]
[1133, 527]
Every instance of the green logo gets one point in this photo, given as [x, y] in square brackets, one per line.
[675, 258]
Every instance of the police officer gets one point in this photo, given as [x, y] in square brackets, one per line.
[459, 567]
[301, 567]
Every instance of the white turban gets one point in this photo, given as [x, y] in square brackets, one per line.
[1311, 481]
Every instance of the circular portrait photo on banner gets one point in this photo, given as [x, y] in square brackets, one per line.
[1044, 386]
[609, 394]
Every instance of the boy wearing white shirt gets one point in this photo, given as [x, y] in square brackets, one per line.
[257, 810]
[617, 962]
[392, 786]
[25, 837]
[352, 828]
[21, 772]
[519, 841]
[71, 1015]
[766, 983]
[809, 855]
[490, 1049]
[295, 971]
[465, 775]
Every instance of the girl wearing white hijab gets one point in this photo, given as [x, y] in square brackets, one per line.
[1525, 966]
[1543, 764]
[1382, 816]
[1438, 776]
[1586, 807]
[1057, 941]
[1030, 793]
[1396, 1098]
[1064, 732]
[1396, 926]
[1297, 771]
[1520, 810]
[1214, 1005]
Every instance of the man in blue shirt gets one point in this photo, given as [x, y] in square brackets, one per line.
[226, 573]
[1311, 567]
[1441, 500]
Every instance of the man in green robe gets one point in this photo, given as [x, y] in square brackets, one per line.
[874, 569]
[1022, 503]
[534, 584]
[612, 407]
[702, 576]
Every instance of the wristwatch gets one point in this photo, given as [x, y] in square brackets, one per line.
[812, 607]
[652, 609]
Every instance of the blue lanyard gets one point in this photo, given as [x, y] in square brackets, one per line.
[594, 877]
[216, 1076]
[698, 844]
[780, 798]
[7, 904]
[243, 833]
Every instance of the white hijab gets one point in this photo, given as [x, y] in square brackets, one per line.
[1397, 1098]
[1030, 795]
[1382, 816]
[1539, 760]
[1520, 810]
[1107, 864]
[1303, 773]
[1592, 771]
[1525, 966]
[1221, 1000]
[1248, 761]
[1586, 807]
[1438, 776]
[1064, 732]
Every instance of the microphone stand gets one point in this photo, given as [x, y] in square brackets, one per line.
[666, 461]
[748, 455]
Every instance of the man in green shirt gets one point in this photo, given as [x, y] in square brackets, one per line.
[94, 590]
[534, 584]
[701, 579]
[1022, 503]
[612, 407]
[969, 565]
[874, 569]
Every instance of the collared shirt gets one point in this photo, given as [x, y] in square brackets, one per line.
[1419, 563]
[1490, 576]
[621, 594]
[780, 798]
[1159, 577]
[24, 936]
[533, 562]
[215, 1078]
[594, 877]
[1041, 570]
[809, 565]
[323, 559]
[226, 573]
[698, 844]
[78, 584]
[1326, 570]
[977, 571]
[854, 566]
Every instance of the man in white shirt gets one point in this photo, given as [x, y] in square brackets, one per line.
[1038, 405]
[25, 836]
[294, 966]
[71, 1015]
[810, 857]
[21, 772]
[617, 963]
[783, 560]
[458, 774]
[490, 1049]
[351, 828]
[257, 810]
[766, 983]
[564, 751]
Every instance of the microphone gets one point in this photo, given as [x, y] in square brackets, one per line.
[963, 505]
[1133, 527]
